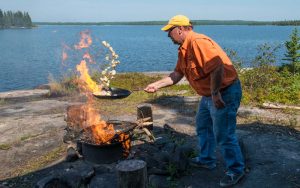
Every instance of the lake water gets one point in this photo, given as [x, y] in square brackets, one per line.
[28, 56]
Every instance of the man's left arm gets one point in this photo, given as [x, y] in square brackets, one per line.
[216, 77]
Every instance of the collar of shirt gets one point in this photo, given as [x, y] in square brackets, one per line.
[186, 42]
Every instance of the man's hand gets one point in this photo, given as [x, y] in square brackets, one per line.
[218, 101]
[172, 79]
[151, 88]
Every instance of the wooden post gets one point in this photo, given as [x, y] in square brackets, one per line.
[132, 174]
[145, 111]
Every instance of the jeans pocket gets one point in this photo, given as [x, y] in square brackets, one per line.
[232, 99]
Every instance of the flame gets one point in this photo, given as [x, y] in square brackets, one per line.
[124, 139]
[64, 53]
[86, 116]
[64, 56]
[88, 57]
[84, 75]
[85, 40]
[101, 131]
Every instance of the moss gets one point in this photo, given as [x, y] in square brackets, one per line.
[39, 162]
[5, 146]
[2, 102]
[27, 137]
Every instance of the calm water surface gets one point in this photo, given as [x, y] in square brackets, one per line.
[28, 56]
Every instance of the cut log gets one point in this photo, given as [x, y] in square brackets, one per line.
[151, 136]
[132, 174]
[279, 106]
[144, 111]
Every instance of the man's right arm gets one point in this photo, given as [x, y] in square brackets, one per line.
[172, 79]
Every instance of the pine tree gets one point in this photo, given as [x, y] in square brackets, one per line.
[11, 18]
[6, 20]
[18, 19]
[27, 22]
[292, 54]
[1, 19]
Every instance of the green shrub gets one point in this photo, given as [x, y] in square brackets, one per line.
[264, 82]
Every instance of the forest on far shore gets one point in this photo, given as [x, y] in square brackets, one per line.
[18, 19]
[9, 19]
[195, 22]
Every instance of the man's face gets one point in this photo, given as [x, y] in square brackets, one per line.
[173, 33]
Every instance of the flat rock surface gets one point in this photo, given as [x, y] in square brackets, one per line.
[30, 129]
[24, 93]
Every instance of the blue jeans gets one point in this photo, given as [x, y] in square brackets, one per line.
[218, 126]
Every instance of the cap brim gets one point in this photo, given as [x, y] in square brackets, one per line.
[167, 27]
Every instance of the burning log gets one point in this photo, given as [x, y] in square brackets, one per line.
[110, 150]
[74, 119]
[103, 133]
[132, 173]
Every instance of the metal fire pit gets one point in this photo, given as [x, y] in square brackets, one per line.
[107, 153]
[102, 154]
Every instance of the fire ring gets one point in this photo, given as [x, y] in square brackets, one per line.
[109, 152]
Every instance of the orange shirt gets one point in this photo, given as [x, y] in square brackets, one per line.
[198, 56]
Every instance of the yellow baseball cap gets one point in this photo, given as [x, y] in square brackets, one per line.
[178, 20]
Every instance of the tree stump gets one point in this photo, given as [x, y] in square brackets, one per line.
[132, 174]
[145, 111]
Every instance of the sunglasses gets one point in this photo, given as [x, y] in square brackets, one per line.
[170, 30]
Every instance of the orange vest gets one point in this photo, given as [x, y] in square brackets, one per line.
[198, 56]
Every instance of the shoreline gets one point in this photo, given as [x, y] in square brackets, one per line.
[46, 87]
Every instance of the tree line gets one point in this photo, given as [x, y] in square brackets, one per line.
[9, 19]
[287, 22]
[195, 22]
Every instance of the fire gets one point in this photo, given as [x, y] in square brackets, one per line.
[64, 53]
[100, 130]
[88, 57]
[87, 117]
[124, 139]
[64, 56]
[85, 40]
[85, 76]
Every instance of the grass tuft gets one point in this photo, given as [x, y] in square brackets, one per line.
[64, 87]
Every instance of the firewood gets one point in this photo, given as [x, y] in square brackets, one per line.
[145, 124]
[144, 111]
[143, 120]
[279, 106]
[151, 136]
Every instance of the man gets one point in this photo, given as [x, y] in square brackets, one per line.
[211, 73]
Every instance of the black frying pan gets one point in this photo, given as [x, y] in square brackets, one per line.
[116, 93]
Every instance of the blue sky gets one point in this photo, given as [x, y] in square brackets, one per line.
[154, 10]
